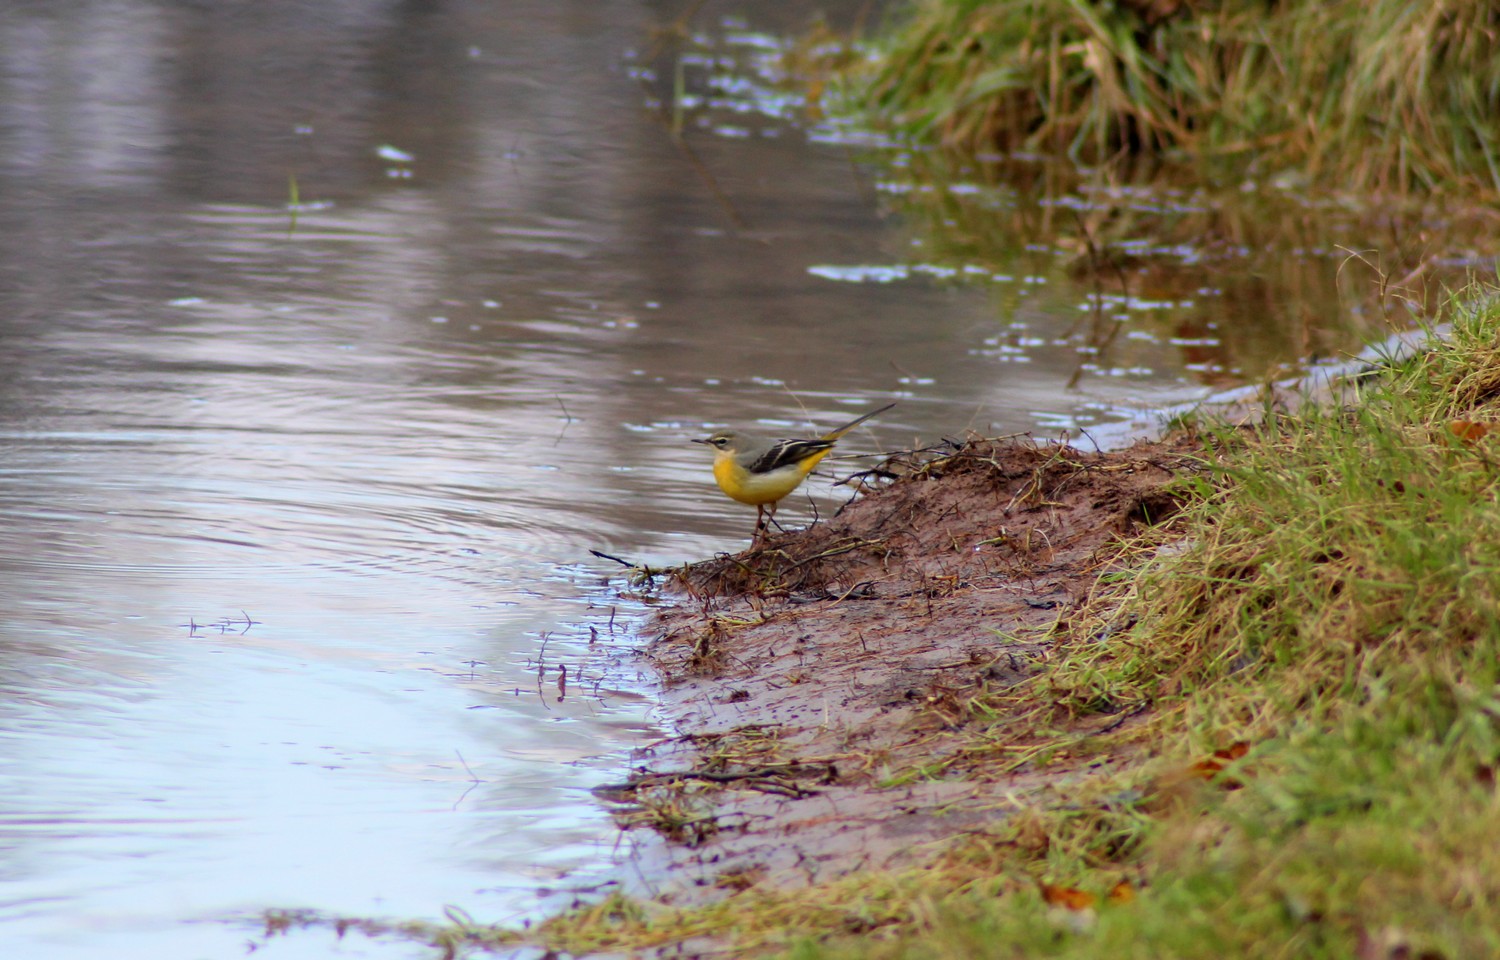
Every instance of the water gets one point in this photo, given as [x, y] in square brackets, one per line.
[335, 335]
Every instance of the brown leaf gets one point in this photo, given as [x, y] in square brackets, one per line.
[1469, 431]
[1213, 765]
[1070, 898]
[1234, 751]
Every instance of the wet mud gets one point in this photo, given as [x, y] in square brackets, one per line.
[826, 686]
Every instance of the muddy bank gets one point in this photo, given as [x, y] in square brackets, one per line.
[827, 687]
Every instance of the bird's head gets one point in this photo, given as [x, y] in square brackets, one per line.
[724, 441]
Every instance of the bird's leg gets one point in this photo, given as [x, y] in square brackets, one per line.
[760, 512]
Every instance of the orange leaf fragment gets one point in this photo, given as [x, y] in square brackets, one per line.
[1211, 766]
[1121, 892]
[1469, 431]
[1234, 751]
[1070, 898]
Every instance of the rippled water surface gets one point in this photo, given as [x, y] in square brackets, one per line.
[333, 336]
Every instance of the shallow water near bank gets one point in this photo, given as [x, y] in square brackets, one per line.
[333, 344]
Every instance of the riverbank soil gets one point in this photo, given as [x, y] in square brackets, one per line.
[835, 688]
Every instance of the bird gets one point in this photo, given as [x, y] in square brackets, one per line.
[760, 472]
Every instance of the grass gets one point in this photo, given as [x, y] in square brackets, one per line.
[1338, 547]
[1385, 96]
[1337, 611]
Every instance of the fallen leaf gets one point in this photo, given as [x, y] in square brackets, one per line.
[1121, 892]
[1069, 907]
[1469, 431]
[1071, 898]
[1235, 750]
[1213, 765]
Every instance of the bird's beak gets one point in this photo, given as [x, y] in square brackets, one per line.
[699, 440]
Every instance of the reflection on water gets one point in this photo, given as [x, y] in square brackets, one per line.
[334, 336]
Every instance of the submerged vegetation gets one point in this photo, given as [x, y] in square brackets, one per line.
[1247, 284]
[1380, 97]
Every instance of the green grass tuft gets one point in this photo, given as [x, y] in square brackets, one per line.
[1385, 96]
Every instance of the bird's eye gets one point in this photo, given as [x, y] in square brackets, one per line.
[719, 441]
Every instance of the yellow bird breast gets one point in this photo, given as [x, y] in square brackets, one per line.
[758, 489]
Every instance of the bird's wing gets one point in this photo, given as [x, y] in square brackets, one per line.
[786, 452]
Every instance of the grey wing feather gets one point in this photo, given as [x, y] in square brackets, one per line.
[785, 452]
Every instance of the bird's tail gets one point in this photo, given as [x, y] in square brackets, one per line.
[837, 432]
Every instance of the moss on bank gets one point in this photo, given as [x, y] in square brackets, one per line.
[1386, 96]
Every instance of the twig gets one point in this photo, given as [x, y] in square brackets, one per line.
[763, 774]
[624, 563]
